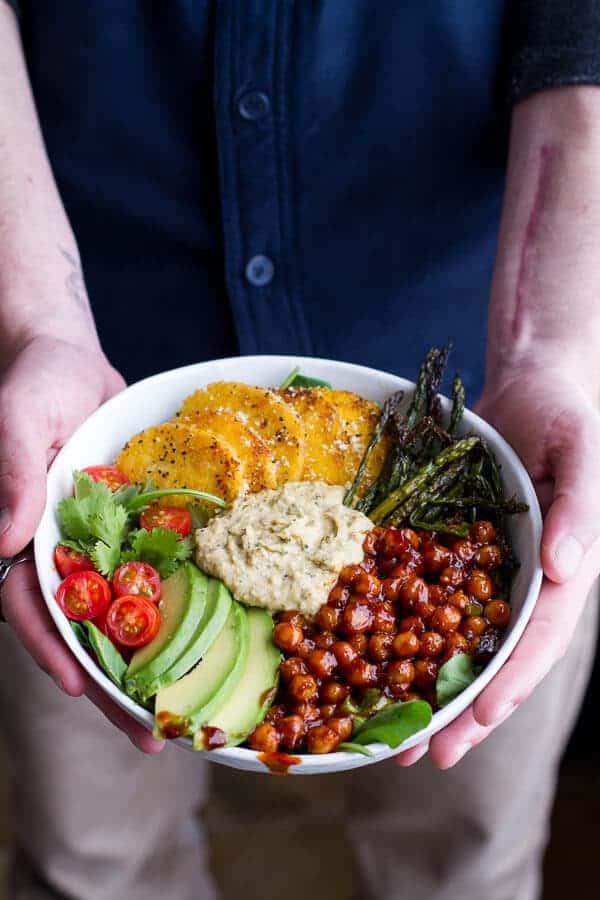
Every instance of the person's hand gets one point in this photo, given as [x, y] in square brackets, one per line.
[50, 387]
[550, 417]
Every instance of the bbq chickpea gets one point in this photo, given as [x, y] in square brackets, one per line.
[291, 667]
[367, 585]
[400, 674]
[275, 713]
[393, 543]
[349, 574]
[436, 557]
[437, 594]
[305, 647]
[412, 623]
[328, 618]
[413, 590]
[357, 617]
[321, 663]
[384, 617]
[292, 616]
[464, 550]
[460, 600]
[406, 644]
[322, 739]
[342, 725]
[344, 653]
[264, 738]
[482, 532]
[306, 711]
[431, 644]
[445, 619]
[326, 711]
[473, 626]
[455, 643]
[339, 596]
[380, 647]
[360, 643]
[497, 612]
[488, 557]
[291, 730]
[302, 688]
[479, 585]
[362, 674]
[390, 587]
[426, 671]
[452, 577]
[287, 636]
[333, 692]
[372, 541]
[324, 640]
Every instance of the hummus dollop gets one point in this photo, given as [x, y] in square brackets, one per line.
[283, 549]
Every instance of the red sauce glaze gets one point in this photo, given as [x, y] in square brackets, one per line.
[214, 738]
[278, 763]
[172, 726]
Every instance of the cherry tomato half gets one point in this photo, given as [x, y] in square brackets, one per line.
[137, 578]
[175, 517]
[68, 561]
[111, 476]
[83, 595]
[132, 620]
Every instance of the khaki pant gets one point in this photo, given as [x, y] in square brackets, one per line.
[96, 820]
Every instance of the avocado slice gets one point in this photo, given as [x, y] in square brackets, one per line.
[216, 609]
[247, 705]
[182, 604]
[181, 708]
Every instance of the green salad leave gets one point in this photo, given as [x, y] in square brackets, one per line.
[162, 548]
[296, 380]
[454, 676]
[100, 523]
[394, 724]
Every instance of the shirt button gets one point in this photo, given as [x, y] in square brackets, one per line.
[253, 106]
[260, 270]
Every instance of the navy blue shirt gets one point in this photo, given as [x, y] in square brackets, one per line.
[318, 177]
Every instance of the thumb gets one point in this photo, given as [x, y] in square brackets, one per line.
[23, 445]
[572, 523]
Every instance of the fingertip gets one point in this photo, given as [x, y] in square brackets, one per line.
[561, 557]
[147, 744]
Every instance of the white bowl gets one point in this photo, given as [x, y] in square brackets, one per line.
[156, 399]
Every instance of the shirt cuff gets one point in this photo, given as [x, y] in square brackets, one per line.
[535, 70]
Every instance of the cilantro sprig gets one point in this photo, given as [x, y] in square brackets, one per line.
[102, 524]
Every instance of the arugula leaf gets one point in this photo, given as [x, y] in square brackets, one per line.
[296, 380]
[106, 653]
[395, 723]
[454, 676]
[162, 548]
[351, 747]
[92, 519]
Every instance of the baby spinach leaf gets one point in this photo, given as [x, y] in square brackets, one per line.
[296, 380]
[454, 676]
[106, 653]
[395, 723]
[80, 634]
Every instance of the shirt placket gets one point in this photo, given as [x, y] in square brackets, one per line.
[253, 41]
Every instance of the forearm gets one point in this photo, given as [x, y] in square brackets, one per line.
[545, 299]
[41, 286]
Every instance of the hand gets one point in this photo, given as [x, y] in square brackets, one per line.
[552, 421]
[48, 390]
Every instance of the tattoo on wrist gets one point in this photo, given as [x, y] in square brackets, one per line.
[75, 283]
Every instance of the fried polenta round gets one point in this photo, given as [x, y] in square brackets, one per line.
[185, 456]
[263, 410]
[252, 451]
